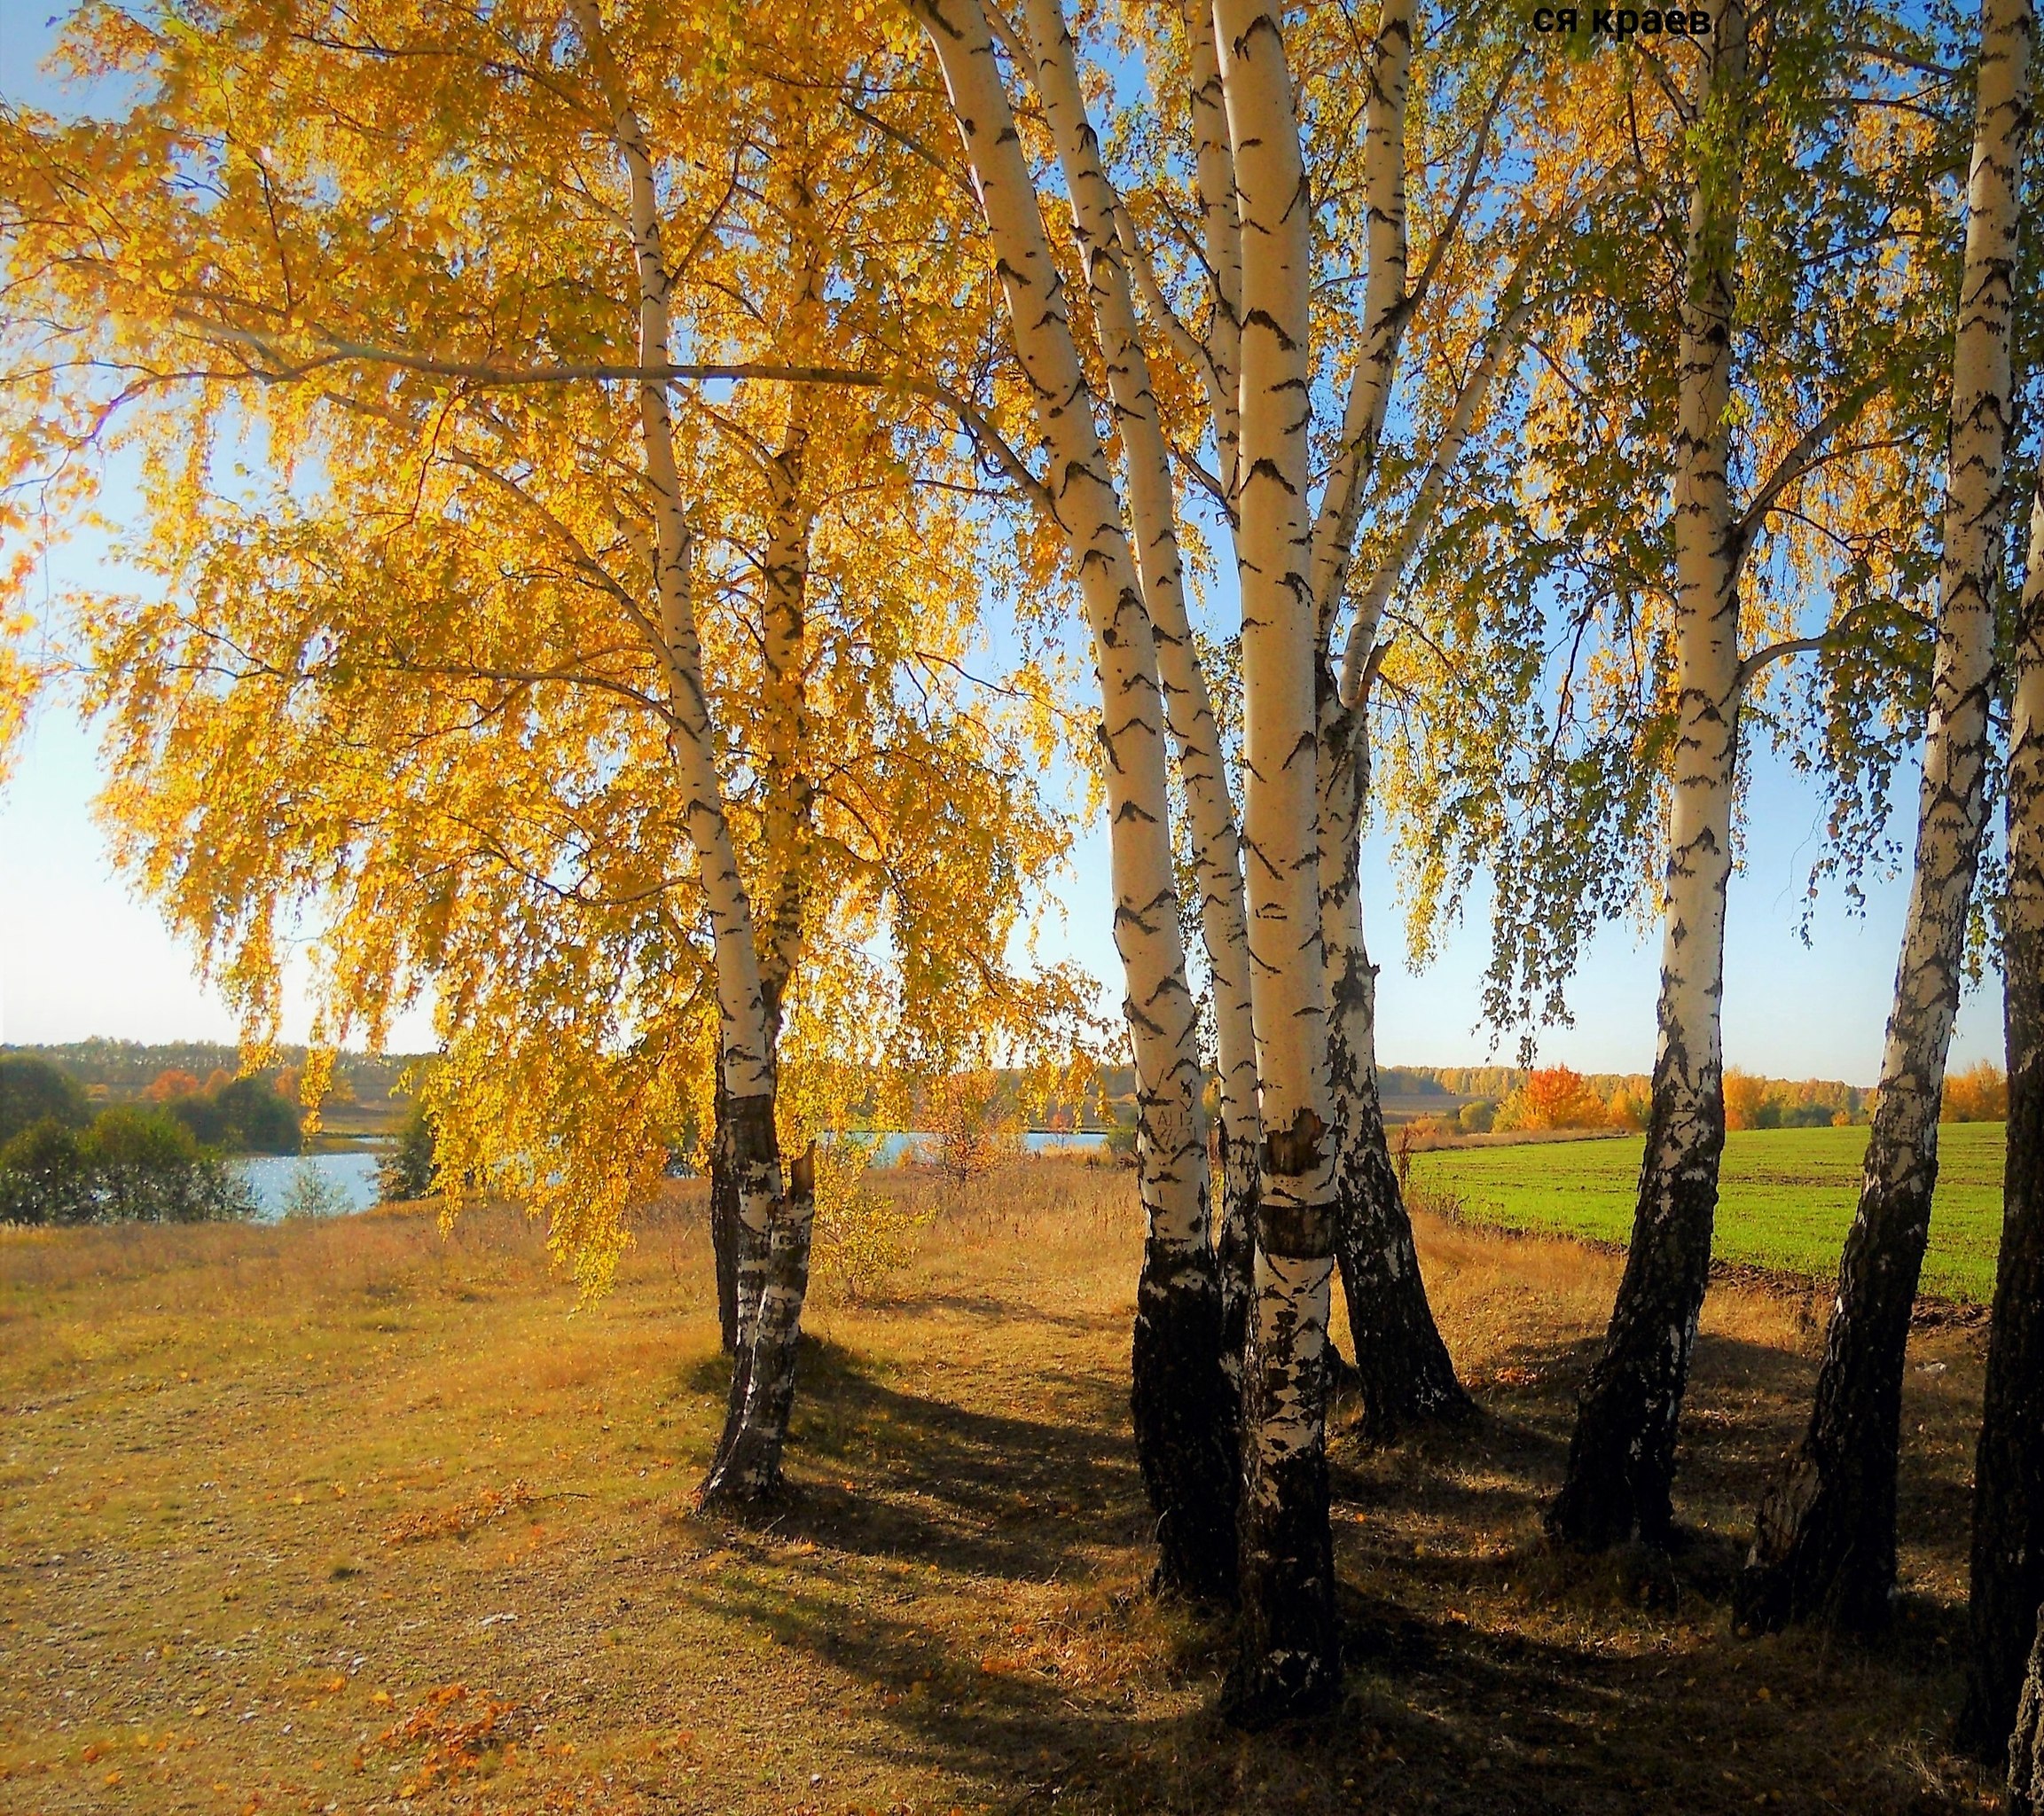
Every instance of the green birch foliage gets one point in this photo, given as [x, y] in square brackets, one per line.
[1530, 717]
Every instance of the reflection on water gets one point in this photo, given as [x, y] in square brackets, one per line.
[339, 1182]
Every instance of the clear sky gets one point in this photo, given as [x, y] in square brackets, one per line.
[80, 956]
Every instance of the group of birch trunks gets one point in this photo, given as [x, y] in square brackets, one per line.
[1215, 349]
[1229, 1359]
[1230, 1354]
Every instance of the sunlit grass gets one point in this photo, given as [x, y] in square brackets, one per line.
[357, 1516]
[1785, 1201]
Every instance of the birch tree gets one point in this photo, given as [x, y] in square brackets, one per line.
[1228, 316]
[2007, 1588]
[1099, 216]
[1584, 653]
[1625, 640]
[1184, 1438]
[1824, 1541]
[1291, 1656]
[773, 1270]
[1406, 1372]
[1621, 1456]
[556, 601]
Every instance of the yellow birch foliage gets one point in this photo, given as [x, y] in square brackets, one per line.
[394, 689]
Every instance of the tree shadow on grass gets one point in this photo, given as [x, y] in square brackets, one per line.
[1566, 1700]
[875, 1469]
[991, 1309]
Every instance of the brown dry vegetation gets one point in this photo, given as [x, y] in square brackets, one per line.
[351, 1516]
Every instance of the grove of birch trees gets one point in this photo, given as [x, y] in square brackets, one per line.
[627, 512]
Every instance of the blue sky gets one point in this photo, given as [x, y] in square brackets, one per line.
[80, 956]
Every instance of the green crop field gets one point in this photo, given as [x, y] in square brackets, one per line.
[1786, 1199]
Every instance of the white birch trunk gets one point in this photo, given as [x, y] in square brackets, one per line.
[789, 817]
[1385, 315]
[1186, 1465]
[1621, 1457]
[1290, 1659]
[769, 1298]
[1152, 506]
[1220, 237]
[751, 1464]
[1824, 1545]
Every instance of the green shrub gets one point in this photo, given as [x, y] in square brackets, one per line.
[312, 1194]
[130, 1166]
[44, 1177]
[33, 1090]
[406, 1172]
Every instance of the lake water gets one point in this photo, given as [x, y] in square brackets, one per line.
[349, 1180]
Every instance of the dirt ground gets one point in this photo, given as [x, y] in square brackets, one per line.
[352, 1516]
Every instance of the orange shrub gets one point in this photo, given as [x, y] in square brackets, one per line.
[1978, 1094]
[167, 1085]
[975, 1132]
[1553, 1097]
[1745, 1093]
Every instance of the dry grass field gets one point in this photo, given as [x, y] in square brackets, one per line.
[352, 1516]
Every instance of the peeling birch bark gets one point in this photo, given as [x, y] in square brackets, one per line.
[1622, 1454]
[1824, 1541]
[1188, 1470]
[1290, 1657]
[1407, 1375]
[2008, 1565]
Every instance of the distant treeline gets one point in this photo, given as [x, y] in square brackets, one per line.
[121, 1071]
[1497, 1083]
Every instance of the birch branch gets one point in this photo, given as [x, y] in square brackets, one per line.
[1469, 402]
[333, 351]
[1808, 453]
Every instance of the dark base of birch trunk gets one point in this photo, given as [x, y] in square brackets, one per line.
[725, 1230]
[2026, 1743]
[760, 1264]
[1404, 1370]
[1621, 1466]
[1290, 1662]
[1186, 1419]
[1824, 1541]
[749, 1467]
[2009, 1469]
[1290, 1659]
